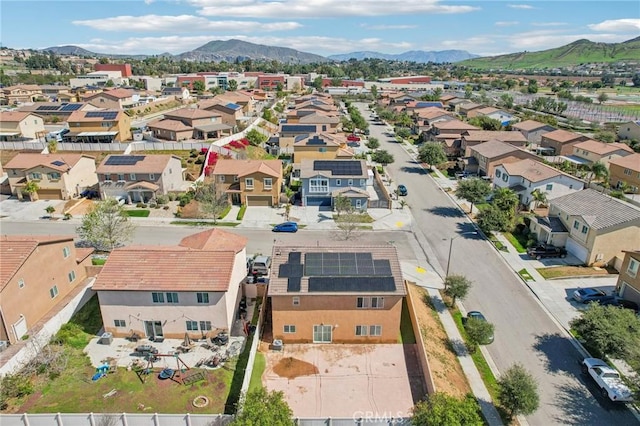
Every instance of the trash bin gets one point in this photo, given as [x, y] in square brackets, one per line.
[277, 345]
[106, 339]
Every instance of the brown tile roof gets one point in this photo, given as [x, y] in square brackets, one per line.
[215, 240]
[493, 148]
[28, 160]
[532, 170]
[13, 116]
[150, 163]
[631, 162]
[278, 285]
[191, 113]
[470, 106]
[454, 125]
[169, 124]
[32, 87]
[602, 148]
[431, 112]
[247, 167]
[528, 125]
[77, 116]
[486, 135]
[118, 93]
[561, 136]
[487, 110]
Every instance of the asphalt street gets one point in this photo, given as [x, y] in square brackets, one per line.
[524, 331]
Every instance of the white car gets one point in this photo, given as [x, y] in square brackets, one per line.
[608, 380]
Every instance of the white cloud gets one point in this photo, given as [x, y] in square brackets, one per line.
[471, 44]
[147, 2]
[506, 23]
[548, 39]
[323, 8]
[388, 27]
[181, 23]
[617, 25]
[521, 6]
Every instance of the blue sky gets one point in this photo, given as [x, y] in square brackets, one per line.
[323, 27]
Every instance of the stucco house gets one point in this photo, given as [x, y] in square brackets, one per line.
[230, 114]
[103, 126]
[593, 227]
[595, 151]
[189, 123]
[59, 176]
[561, 141]
[348, 294]
[324, 180]
[625, 171]
[526, 176]
[321, 146]
[37, 273]
[169, 291]
[139, 178]
[490, 154]
[628, 285]
[472, 138]
[114, 99]
[15, 126]
[630, 130]
[249, 182]
[20, 93]
[533, 130]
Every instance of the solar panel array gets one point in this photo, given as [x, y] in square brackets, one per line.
[315, 140]
[70, 107]
[58, 163]
[48, 108]
[338, 264]
[351, 284]
[105, 115]
[124, 160]
[339, 168]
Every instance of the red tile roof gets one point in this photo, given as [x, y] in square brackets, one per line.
[215, 240]
[29, 160]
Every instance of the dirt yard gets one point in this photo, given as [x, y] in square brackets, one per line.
[448, 376]
[291, 368]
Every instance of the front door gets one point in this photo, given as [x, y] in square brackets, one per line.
[321, 334]
[153, 329]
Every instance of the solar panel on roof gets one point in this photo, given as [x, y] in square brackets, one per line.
[316, 141]
[58, 163]
[124, 160]
[351, 284]
[293, 284]
[48, 108]
[339, 167]
[70, 107]
[382, 267]
[105, 115]
[295, 257]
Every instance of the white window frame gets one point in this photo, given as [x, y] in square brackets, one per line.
[362, 302]
[362, 330]
[205, 326]
[157, 297]
[375, 330]
[53, 291]
[119, 323]
[172, 297]
[585, 229]
[66, 252]
[54, 176]
[202, 297]
[350, 182]
[132, 176]
[549, 187]
[338, 182]
[191, 325]
[576, 225]
[318, 185]
[152, 176]
[36, 176]
[248, 183]
[235, 179]
[632, 267]
[221, 178]
[268, 183]
[289, 328]
[378, 302]
[358, 203]
[362, 182]
[72, 276]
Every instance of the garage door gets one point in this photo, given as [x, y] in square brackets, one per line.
[318, 201]
[629, 293]
[20, 327]
[264, 201]
[577, 250]
[49, 194]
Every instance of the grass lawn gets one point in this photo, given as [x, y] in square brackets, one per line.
[98, 261]
[519, 241]
[356, 218]
[259, 365]
[525, 275]
[138, 213]
[570, 271]
[406, 328]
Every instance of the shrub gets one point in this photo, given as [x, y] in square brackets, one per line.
[199, 160]
[162, 199]
[243, 208]
[165, 208]
[14, 386]
[73, 335]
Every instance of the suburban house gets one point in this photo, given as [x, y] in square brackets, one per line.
[526, 176]
[483, 110]
[103, 126]
[561, 141]
[630, 130]
[249, 182]
[291, 133]
[628, 286]
[52, 111]
[328, 122]
[246, 100]
[338, 294]
[490, 154]
[37, 273]
[448, 133]
[594, 227]
[21, 93]
[533, 130]
[59, 176]
[15, 126]
[503, 117]
[472, 138]
[324, 180]
[230, 114]
[595, 151]
[425, 118]
[179, 93]
[321, 146]
[454, 104]
[625, 171]
[189, 123]
[139, 178]
[53, 91]
[466, 109]
[114, 99]
[171, 291]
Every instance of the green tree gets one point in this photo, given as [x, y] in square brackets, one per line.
[262, 408]
[532, 87]
[506, 100]
[383, 157]
[374, 91]
[373, 143]
[199, 87]
[50, 210]
[636, 80]
[342, 204]
[109, 83]
[605, 136]
[603, 97]
[473, 191]
[539, 197]
[485, 123]
[255, 137]
[31, 188]
[232, 85]
[440, 409]
[403, 132]
[268, 115]
[479, 332]
[317, 83]
[597, 171]
[506, 200]
[492, 218]
[106, 226]
[456, 287]
[518, 391]
[432, 153]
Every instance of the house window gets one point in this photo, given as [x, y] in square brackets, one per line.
[268, 183]
[358, 203]
[576, 224]
[66, 252]
[362, 182]
[120, 176]
[361, 330]
[205, 325]
[119, 323]
[338, 182]
[505, 177]
[289, 328]
[350, 182]
[295, 301]
[192, 325]
[221, 178]
[152, 176]
[322, 149]
[53, 291]
[36, 176]
[375, 330]
[248, 182]
[21, 283]
[202, 297]
[157, 297]
[549, 187]
[172, 297]
[53, 176]
[584, 229]
[132, 176]
[106, 178]
[318, 185]
[72, 276]
[632, 269]
[627, 172]
[498, 173]
[362, 302]
[377, 302]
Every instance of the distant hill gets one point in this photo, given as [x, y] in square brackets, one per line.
[576, 53]
[232, 50]
[419, 56]
[70, 50]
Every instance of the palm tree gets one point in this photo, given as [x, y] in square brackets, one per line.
[539, 197]
[597, 171]
[507, 200]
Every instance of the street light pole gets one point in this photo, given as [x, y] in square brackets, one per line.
[451, 247]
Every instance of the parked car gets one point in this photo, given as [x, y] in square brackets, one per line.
[89, 193]
[478, 316]
[353, 138]
[402, 190]
[286, 227]
[608, 380]
[589, 295]
[353, 144]
[260, 265]
[540, 251]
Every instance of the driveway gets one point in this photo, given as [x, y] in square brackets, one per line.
[26, 210]
[346, 381]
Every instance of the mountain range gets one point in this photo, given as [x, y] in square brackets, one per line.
[419, 56]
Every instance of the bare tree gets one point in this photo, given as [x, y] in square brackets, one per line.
[349, 224]
[107, 226]
[212, 202]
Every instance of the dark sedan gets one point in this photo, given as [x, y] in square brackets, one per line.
[590, 295]
[546, 250]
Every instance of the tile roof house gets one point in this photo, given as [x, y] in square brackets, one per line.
[249, 182]
[36, 274]
[16, 125]
[21, 93]
[59, 176]
[628, 285]
[189, 123]
[291, 133]
[336, 294]
[472, 138]
[169, 291]
[139, 178]
[624, 172]
[533, 130]
[629, 130]
[562, 141]
[114, 99]
[103, 126]
[62, 111]
[494, 152]
[324, 180]
[466, 109]
[230, 113]
[597, 228]
[328, 122]
[424, 118]
[529, 175]
[321, 146]
[596, 151]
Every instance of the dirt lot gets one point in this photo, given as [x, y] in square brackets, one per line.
[447, 373]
